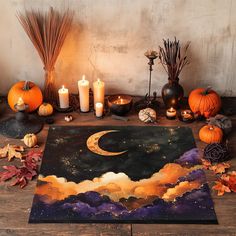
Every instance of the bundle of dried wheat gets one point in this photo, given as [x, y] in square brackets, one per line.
[47, 32]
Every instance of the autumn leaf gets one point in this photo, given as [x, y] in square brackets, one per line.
[11, 151]
[21, 175]
[206, 164]
[220, 168]
[10, 171]
[221, 188]
[229, 180]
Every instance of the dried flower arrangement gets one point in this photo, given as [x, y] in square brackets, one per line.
[47, 32]
[172, 58]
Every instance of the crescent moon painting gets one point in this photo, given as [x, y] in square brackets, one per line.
[84, 177]
[92, 144]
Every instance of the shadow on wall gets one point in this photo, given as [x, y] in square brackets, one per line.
[69, 61]
[4, 76]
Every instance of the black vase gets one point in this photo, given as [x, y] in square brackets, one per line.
[172, 93]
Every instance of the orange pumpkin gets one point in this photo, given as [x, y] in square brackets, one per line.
[205, 102]
[28, 91]
[210, 134]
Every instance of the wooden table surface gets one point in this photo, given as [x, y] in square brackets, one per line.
[15, 203]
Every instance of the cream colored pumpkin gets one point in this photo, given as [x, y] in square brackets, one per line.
[30, 140]
[45, 109]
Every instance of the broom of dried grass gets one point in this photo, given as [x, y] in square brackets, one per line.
[47, 32]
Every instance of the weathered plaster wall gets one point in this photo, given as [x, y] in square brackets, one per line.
[109, 38]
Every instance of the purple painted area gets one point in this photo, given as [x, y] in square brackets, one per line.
[190, 158]
[76, 208]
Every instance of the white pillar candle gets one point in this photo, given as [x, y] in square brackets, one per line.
[83, 86]
[99, 109]
[63, 97]
[98, 91]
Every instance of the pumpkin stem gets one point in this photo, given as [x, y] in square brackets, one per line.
[26, 86]
[207, 90]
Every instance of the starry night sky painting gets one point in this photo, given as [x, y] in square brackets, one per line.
[115, 174]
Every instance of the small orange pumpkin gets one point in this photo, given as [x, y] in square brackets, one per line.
[210, 134]
[205, 102]
[28, 91]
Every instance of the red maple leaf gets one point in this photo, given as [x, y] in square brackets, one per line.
[24, 173]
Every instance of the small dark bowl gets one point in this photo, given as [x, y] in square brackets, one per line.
[119, 109]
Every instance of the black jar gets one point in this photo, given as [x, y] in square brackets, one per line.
[172, 93]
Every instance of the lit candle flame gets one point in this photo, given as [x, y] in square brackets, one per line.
[20, 101]
[83, 78]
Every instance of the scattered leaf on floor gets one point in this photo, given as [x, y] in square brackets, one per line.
[221, 188]
[11, 151]
[229, 179]
[220, 167]
[206, 164]
[21, 175]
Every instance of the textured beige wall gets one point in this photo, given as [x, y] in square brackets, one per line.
[109, 38]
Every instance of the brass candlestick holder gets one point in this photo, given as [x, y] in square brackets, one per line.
[21, 124]
[148, 100]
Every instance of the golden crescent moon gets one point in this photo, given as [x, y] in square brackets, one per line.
[92, 144]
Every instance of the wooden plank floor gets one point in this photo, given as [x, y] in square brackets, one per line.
[15, 203]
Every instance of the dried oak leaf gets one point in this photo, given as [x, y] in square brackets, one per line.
[10, 172]
[24, 173]
[221, 188]
[220, 168]
[11, 151]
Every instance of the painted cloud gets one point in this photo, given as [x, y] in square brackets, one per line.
[119, 185]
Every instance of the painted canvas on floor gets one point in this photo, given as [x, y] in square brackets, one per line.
[121, 175]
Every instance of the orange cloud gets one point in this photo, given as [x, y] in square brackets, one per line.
[180, 189]
[119, 185]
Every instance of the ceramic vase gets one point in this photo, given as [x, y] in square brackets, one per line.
[172, 93]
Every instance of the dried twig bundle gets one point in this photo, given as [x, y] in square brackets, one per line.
[172, 58]
[47, 32]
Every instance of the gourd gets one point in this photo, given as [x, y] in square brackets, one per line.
[205, 102]
[45, 109]
[210, 134]
[28, 91]
[30, 140]
[147, 115]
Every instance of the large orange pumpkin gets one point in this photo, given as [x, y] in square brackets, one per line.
[28, 91]
[210, 134]
[205, 102]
